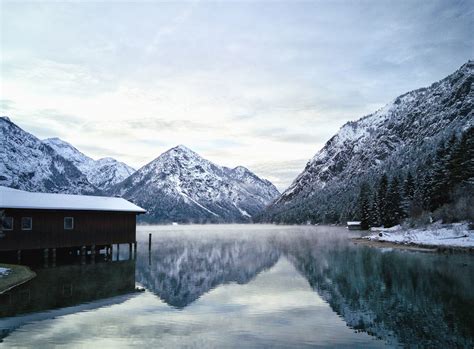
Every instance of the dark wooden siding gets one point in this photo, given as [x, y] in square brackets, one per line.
[90, 228]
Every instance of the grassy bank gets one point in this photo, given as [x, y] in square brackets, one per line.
[18, 275]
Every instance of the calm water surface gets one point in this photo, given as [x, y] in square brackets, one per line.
[247, 286]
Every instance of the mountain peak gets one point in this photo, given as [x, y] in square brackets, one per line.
[102, 173]
[240, 169]
[181, 186]
[6, 118]
[183, 149]
[468, 65]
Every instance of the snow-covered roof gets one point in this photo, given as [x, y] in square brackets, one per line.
[354, 223]
[14, 198]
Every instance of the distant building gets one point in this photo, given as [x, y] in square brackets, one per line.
[354, 225]
[32, 221]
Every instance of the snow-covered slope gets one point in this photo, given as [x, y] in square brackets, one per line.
[181, 186]
[394, 137]
[102, 173]
[29, 164]
[436, 234]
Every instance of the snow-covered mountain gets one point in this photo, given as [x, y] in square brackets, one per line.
[181, 186]
[102, 173]
[177, 186]
[29, 164]
[394, 138]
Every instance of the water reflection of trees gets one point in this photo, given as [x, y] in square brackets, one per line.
[180, 271]
[414, 299]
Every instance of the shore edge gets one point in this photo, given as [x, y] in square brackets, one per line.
[412, 246]
[18, 275]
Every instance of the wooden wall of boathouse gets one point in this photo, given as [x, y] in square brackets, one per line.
[90, 228]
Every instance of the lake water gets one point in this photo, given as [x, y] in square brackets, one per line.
[247, 286]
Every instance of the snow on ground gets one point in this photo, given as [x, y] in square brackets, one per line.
[437, 234]
[4, 271]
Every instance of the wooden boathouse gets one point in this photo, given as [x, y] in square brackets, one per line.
[32, 221]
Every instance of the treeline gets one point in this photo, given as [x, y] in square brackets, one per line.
[440, 188]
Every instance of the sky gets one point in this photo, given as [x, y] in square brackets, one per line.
[263, 84]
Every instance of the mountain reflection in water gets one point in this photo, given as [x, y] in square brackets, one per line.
[182, 271]
[402, 297]
[250, 286]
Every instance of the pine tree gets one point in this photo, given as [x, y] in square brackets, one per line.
[382, 198]
[461, 162]
[417, 205]
[364, 206]
[439, 178]
[425, 184]
[394, 204]
[467, 142]
[375, 212]
[409, 187]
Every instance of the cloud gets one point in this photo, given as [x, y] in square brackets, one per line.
[6, 106]
[242, 83]
[280, 173]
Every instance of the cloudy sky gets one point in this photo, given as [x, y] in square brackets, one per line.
[261, 84]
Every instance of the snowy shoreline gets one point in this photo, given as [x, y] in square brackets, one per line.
[456, 235]
[4, 272]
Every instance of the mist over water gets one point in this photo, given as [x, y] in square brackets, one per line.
[248, 286]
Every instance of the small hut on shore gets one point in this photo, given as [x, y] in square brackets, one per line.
[354, 225]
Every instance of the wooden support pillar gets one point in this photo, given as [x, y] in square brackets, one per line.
[149, 249]
[18, 256]
[130, 251]
[53, 256]
[135, 250]
[118, 252]
[93, 252]
[83, 254]
[111, 252]
[45, 256]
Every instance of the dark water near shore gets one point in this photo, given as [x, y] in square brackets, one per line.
[247, 286]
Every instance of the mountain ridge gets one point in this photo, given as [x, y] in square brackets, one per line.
[394, 137]
[102, 173]
[29, 164]
[193, 189]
